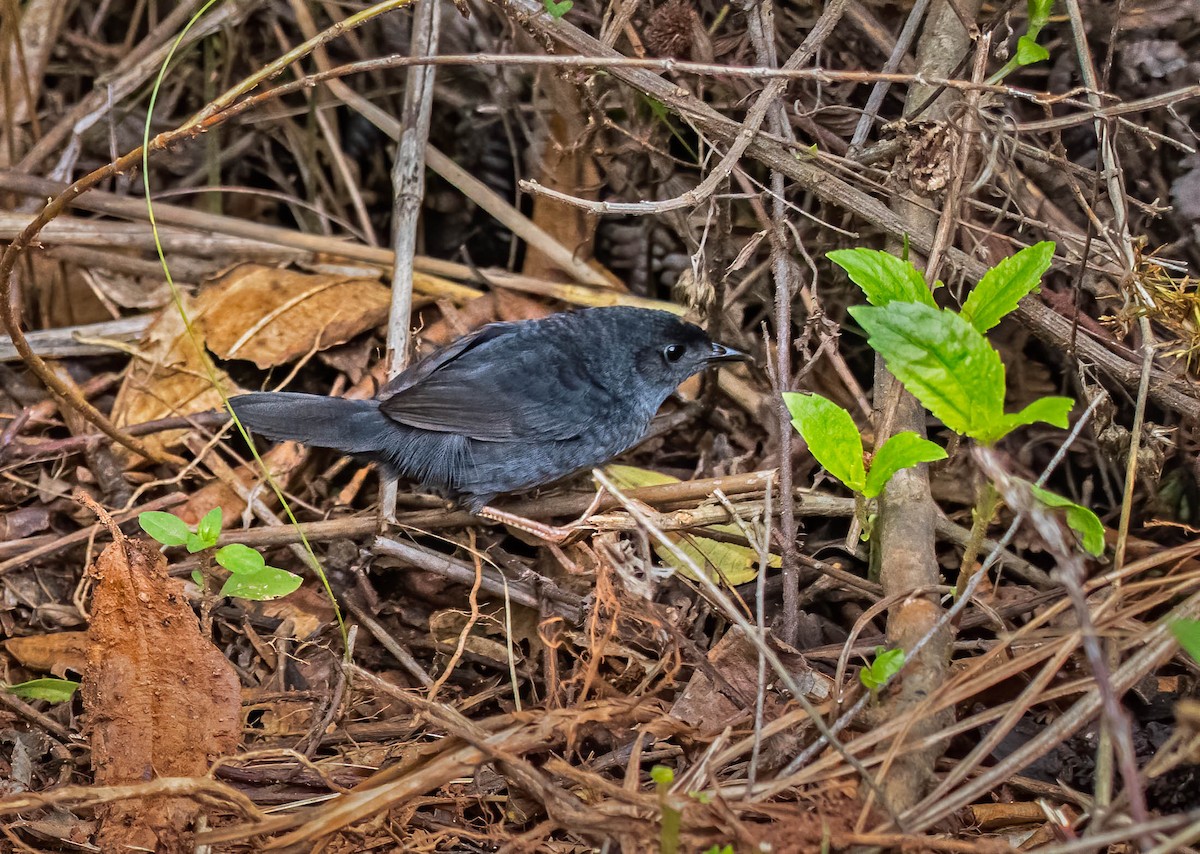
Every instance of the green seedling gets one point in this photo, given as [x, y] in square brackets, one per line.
[1081, 520]
[1187, 632]
[668, 840]
[836, 444]
[941, 356]
[1028, 49]
[250, 577]
[879, 670]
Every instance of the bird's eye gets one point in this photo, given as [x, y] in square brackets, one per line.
[673, 353]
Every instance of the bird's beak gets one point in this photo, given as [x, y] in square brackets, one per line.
[721, 353]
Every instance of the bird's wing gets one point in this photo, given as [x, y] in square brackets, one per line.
[496, 385]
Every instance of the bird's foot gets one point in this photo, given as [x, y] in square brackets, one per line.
[549, 533]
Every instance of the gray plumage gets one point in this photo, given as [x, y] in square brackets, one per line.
[508, 407]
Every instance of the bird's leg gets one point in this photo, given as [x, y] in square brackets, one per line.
[550, 533]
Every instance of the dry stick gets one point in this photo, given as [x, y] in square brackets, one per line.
[1046, 323]
[408, 184]
[732, 613]
[402, 655]
[762, 33]
[23, 241]
[766, 102]
[1071, 572]
[1116, 727]
[904, 544]
[880, 89]
[760, 618]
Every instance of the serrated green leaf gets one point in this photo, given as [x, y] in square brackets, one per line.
[1187, 632]
[831, 435]
[1055, 411]
[883, 277]
[209, 528]
[238, 558]
[945, 363]
[267, 582]
[1082, 521]
[1003, 286]
[887, 664]
[1029, 51]
[53, 690]
[166, 528]
[899, 452]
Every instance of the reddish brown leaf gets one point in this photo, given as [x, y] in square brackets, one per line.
[161, 700]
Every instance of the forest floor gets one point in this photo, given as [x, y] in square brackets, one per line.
[712, 661]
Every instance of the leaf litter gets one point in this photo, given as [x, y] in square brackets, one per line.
[581, 667]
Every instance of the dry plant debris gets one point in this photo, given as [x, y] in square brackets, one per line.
[493, 692]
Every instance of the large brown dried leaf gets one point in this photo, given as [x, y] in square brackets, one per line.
[271, 316]
[160, 699]
[167, 377]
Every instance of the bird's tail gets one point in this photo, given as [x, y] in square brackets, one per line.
[349, 426]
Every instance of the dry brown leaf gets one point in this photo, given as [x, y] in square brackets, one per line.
[710, 708]
[160, 699]
[167, 377]
[56, 653]
[308, 609]
[271, 316]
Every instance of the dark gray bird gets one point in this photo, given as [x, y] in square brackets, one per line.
[508, 407]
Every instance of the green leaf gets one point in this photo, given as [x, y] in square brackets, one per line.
[632, 477]
[1187, 632]
[662, 775]
[831, 435]
[945, 362]
[238, 558]
[267, 582]
[1029, 51]
[195, 543]
[166, 528]
[899, 452]
[887, 664]
[198, 578]
[1050, 410]
[732, 563]
[1003, 286]
[1039, 12]
[557, 9]
[209, 528]
[54, 690]
[1081, 520]
[883, 277]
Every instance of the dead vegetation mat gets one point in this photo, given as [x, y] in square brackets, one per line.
[490, 691]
